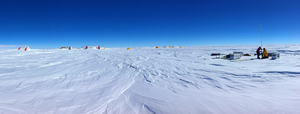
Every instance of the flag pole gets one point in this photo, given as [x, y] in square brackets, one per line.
[260, 36]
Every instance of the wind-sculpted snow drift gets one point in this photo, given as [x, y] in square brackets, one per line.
[148, 80]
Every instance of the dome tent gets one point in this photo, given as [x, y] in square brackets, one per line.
[26, 48]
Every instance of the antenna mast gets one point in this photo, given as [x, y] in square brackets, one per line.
[260, 36]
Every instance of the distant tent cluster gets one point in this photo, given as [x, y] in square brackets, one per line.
[25, 49]
[169, 47]
[92, 47]
[66, 48]
[69, 48]
[157, 47]
[83, 47]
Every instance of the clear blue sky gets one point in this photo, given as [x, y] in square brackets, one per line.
[144, 23]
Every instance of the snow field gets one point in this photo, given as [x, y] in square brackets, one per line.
[148, 80]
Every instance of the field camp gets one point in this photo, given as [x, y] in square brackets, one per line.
[148, 80]
[231, 56]
[149, 57]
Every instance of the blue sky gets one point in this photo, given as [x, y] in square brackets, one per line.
[144, 23]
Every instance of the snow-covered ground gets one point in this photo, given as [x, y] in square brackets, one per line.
[148, 80]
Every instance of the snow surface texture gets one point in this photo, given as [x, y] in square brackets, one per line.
[148, 80]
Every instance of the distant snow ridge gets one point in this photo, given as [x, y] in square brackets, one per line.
[146, 80]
